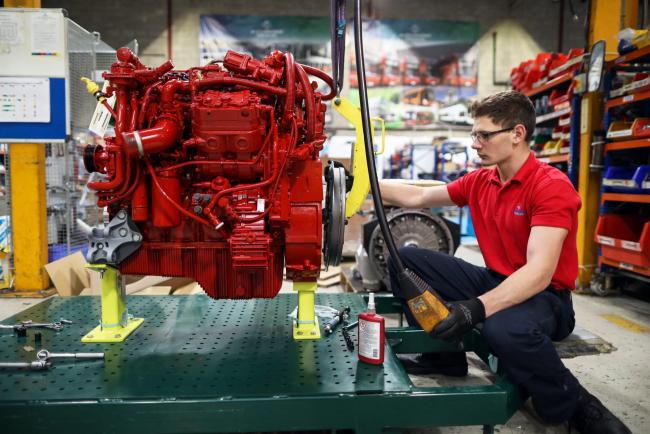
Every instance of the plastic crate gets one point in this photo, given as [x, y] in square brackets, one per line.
[624, 238]
[620, 130]
[627, 179]
[641, 128]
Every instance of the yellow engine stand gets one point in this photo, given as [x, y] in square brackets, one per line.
[359, 165]
[115, 325]
[306, 327]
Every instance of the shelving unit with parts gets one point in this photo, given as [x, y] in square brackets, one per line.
[623, 228]
[557, 136]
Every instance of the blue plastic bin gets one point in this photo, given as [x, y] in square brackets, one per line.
[627, 179]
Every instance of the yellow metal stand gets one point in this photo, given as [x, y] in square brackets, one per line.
[359, 169]
[115, 324]
[306, 325]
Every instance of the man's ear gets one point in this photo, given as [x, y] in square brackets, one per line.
[520, 133]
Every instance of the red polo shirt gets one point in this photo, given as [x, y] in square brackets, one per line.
[502, 214]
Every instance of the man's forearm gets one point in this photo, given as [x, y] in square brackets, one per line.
[400, 194]
[517, 288]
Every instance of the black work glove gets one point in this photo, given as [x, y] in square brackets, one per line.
[463, 315]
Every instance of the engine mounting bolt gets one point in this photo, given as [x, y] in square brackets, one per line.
[137, 237]
[121, 214]
[123, 232]
[198, 209]
[197, 196]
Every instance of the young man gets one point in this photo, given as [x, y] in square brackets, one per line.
[525, 218]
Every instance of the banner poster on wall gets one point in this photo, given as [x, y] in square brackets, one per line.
[420, 74]
[308, 38]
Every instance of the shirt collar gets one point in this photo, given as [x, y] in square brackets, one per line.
[526, 169]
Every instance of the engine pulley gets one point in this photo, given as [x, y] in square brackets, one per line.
[333, 214]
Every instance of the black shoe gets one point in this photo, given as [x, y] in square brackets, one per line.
[450, 364]
[592, 417]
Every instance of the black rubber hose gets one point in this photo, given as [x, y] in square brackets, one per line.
[367, 138]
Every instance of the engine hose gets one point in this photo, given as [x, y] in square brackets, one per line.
[129, 192]
[367, 137]
[182, 210]
[323, 76]
[290, 83]
[310, 107]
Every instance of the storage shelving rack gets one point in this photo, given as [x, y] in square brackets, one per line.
[567, 162]
[623, 230]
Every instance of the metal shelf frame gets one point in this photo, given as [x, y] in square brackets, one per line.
[610, 199]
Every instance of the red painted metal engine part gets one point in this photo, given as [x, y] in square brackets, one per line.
[218, 166]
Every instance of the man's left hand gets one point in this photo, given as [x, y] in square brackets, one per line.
[463, 315]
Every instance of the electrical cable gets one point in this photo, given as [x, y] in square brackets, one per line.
[367, 137]
[424, 303]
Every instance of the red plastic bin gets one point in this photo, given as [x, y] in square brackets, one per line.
[624, 238]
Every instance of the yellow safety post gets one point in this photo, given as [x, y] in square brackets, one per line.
[116, 325]
[605, 24]
[28, 209]
[591, 114]
[28, 220]
[359, 169]
[306, 327]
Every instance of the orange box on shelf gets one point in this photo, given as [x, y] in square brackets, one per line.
[620, 130]
[624, 238]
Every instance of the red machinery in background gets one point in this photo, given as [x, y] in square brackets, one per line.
[213, 173]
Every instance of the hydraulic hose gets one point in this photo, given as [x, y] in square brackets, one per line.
[367, 138]
[426, 306]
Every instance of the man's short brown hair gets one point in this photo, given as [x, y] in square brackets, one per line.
[507, 109]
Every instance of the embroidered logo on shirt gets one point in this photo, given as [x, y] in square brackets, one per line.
[519, 210]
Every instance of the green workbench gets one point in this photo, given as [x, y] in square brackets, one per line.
[201, 365]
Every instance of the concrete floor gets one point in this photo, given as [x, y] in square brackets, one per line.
[620, 379]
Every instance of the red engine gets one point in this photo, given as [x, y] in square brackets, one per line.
[218, 168]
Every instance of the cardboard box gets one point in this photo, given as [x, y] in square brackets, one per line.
[69, 274]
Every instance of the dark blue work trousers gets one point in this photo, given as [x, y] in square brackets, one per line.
[520, 336]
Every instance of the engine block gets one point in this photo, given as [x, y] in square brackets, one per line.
[218, 167]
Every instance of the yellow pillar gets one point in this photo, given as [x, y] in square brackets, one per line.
[589, 188]
[606, 22]
[28, 208]
[28, 217]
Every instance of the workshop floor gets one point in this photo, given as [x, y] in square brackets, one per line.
[620, 378]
